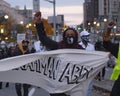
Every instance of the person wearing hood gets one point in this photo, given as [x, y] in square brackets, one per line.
[70, 40]
[70, 37]
[85, 43]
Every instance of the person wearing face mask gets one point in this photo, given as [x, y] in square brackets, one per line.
[70, 40]
[70, 37]
[90, 47]
[4, 49]
[85, 41]
[23, 49]
[3, 54]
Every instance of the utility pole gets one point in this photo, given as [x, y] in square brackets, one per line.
[54, 17]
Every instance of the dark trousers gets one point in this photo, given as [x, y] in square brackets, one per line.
[116, 88]
[7, 85]
[19, 89]
[99, 74]
[0, 85]
[58, 94]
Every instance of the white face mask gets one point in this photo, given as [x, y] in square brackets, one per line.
[70, 40]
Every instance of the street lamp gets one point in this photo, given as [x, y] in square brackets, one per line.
[6, 16]
[2, 31]
[98, 24]
[94, 22]
[105, 20]
[54, 19]
[21, 22]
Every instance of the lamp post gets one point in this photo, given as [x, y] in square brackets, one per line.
[6, 26]
[105, 24]
[54, 15]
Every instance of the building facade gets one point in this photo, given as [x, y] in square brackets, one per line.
[100, 10]
[5, 9]
[91, 12]
[36, 6]
[114, 11]
[26, 13]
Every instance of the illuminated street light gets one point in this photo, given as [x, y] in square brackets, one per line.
[98, 24]
[6, 16]
[54, 14]
[6, 38]
[2, 31]
[21, 22]
[30, 24]
[89, 23]
[105, 20]
[94, 22]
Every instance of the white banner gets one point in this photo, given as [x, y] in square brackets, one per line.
[65, 70]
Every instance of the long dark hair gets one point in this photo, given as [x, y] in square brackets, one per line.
[76, 33]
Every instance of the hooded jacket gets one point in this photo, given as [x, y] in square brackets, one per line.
[51, 44]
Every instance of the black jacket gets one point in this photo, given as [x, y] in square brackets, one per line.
[111, 47]
[51, 44]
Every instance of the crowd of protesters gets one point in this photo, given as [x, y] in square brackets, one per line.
[70, 40]
[15, 50]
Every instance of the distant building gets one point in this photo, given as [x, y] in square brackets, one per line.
[27, 13]
[101, 9]
[5, 9]
[36, 6]
[114, 11]
[91, 11]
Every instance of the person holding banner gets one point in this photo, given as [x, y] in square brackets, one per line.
[114, 48]
[70, 37]
[85, 43]
[70, 40]
[23, 49]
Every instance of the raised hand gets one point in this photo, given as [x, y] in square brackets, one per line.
[108, 31]
[111, 25]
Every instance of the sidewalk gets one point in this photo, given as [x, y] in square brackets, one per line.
[105, 84]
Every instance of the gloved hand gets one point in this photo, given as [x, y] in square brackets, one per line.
[106, 37]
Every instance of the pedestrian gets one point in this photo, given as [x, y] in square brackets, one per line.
[23, 49]
[4, 49]
[70, 40]
[12, 51]
[99, 47]
[114, 48]
[3, 54]
[85, 43]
